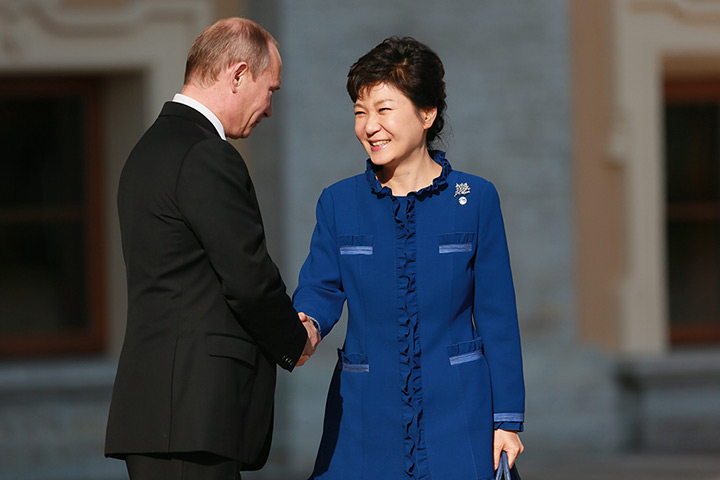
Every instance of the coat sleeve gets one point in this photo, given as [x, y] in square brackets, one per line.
[217, 199]
[496, 314]
[320, 291]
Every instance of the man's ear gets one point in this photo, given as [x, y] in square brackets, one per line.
[238, 72]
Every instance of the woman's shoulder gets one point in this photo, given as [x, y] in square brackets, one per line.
[344, 188]
[349, 182]
[460, 179]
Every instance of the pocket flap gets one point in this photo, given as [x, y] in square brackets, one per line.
[455, 242]
[231, 347]
[353, 362]
[465, 351]
[355, 244]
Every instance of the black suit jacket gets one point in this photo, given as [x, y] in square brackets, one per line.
[208, 315]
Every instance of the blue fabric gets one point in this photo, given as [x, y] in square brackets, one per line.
[432, 351]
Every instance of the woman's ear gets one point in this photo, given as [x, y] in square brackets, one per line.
[428, 117]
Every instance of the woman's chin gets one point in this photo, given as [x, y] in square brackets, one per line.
[380, 158]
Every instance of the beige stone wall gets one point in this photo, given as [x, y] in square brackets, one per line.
[622, 52]
[598, 180]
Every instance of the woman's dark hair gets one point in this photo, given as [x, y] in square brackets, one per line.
[409, 66]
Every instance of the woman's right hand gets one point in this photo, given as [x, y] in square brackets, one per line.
[312, 341]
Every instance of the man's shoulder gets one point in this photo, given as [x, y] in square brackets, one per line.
[183, 123]
[174, 141]
[174, 136]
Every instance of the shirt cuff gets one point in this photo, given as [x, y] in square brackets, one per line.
[317, 325]
[511, 426]
[509, 421]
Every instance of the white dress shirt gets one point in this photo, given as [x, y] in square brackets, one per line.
[192, 103]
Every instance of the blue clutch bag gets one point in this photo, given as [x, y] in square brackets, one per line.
[504, 472]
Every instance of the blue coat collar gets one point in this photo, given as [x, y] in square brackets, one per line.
[439, 183]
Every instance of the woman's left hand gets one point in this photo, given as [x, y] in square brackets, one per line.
[510, 442]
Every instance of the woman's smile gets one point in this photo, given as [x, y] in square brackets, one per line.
[377, 145]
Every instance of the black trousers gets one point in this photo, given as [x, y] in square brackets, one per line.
[182, 466]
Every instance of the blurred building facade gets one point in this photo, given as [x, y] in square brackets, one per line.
[598, 121]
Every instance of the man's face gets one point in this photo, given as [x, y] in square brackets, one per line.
[255, 97]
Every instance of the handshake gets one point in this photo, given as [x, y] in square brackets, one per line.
[312, 341]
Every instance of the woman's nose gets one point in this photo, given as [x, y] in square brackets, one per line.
[372, 125]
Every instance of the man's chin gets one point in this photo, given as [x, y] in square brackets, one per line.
[238, 136]
[246, 133]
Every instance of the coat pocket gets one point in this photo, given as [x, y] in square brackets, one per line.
[219, 345]
[455, 242]
[465, 352]
[353, 362]
[473, 389]
[355, 244]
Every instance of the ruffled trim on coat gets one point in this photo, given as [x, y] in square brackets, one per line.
[416, 459]
[439, 183]
[416, 462]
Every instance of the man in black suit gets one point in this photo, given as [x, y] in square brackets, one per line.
[208, 315]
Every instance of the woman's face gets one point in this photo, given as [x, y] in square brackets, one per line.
[389, 125]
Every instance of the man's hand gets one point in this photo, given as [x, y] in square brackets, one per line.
[510, 442]
[312, 341]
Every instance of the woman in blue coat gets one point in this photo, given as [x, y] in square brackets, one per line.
[429, 383]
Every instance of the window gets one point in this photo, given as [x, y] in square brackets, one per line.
[692, 168]
[50, 234]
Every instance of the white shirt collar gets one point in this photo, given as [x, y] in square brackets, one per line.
[192, 103]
